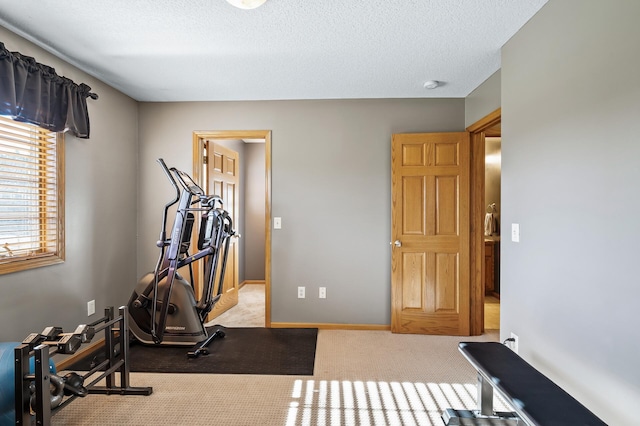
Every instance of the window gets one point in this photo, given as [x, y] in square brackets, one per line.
[31, 196]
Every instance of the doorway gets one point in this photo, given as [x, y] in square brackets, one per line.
[492, 229]
[202, 139]
[484, 251]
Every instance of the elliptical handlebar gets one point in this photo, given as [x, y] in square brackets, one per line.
[185, 181]
[210, 201]
[167, 172]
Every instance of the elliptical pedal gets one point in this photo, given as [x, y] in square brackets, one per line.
[201, 348]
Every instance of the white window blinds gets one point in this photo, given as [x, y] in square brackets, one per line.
[31, 216]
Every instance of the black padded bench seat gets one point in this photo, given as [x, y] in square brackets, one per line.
[534, 397]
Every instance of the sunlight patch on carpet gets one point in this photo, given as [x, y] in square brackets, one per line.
[335, 402]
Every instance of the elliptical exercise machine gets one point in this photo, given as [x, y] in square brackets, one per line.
[163, 307]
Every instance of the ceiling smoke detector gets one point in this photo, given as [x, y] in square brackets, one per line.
[431, 84]
[246, 4]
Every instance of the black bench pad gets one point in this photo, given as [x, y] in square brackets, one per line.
[536, 398]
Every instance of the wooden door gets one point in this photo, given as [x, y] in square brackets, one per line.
[430, 233]
[223, 180]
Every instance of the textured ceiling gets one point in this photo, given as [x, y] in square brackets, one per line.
[205, 50]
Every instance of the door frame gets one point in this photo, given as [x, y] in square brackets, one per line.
[477, 211]
[198, 167]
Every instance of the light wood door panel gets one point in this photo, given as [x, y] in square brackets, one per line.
[430, 233]
[223, 180]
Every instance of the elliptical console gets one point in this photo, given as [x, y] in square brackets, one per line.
[163, 307]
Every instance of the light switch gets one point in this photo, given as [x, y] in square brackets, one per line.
[277, 223]
[515, 232]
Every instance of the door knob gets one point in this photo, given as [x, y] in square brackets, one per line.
[397, 243]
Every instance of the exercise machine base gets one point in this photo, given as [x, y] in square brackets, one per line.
[104, 390]
[201, 348]
[452, 417]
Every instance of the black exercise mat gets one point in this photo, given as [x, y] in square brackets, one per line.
[277, 351]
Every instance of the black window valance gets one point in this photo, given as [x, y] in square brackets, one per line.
[33, 93]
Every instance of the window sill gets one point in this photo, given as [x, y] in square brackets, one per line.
[16, 265]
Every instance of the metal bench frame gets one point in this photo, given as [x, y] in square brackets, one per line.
[535, 399]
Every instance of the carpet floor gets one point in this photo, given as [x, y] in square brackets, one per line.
[360, 378]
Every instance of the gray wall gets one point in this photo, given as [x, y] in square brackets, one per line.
[570, 173]
[100, 215]
[483, 100]
[254, 230]
[331, 183]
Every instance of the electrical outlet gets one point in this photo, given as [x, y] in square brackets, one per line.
[91, 307]
[300, 292]
[514, 344]
[322, 292]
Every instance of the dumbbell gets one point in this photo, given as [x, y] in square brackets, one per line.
[69, 343]
[85, 332]
[49, 333]
[33, 340]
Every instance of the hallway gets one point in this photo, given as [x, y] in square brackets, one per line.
[491, 313]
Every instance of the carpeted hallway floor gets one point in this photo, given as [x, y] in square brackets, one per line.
[249, 312]
[491, 313]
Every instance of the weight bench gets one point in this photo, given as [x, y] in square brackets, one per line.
[534, 397]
